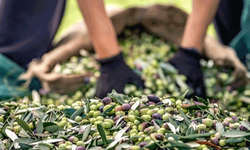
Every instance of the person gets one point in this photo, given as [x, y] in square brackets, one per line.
[28, 28]
[114, 71]
[231, 20]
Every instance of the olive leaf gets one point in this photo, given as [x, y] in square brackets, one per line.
[86, 106]
[102, 134]
[235, 140]
[220, 128]
[140, 119]
[167, 101]
[155, 125]
[35, 96]
[22, 133]
[13, 137]
[197, 107]
[25, 146]
[235, 133]
[77, 113]
[168, 68]
[178, 118]
[47, 141]
[42, 146]
[53, 116]
[39, 113]
[86, 132]
[121, 132]
[68, 112]
[116, 97]
[190, 131]
[108, 110]
[206, 102]
[183, 85]
[162, 76]
[136, 104]
[178, 145]
[173, 122]
[122, 146]
[193, 144]
[27, 117]
[28, 109]
[115, 142]
[195, 136]
[1, 144]
[24, 125]
[2, 111]
[95, 148]
[183, 95]
[159, 122]
[172, 128]
[119, 120]
[246, 125]
[52, 127]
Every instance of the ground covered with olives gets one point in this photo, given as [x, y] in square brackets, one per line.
[122, 122]
[157, 117]
[147, 56]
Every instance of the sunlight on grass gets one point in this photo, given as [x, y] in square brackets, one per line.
[73, 15]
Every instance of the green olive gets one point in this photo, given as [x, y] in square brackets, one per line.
[62, 146]
[169, 109]
[92, 120]
[93, 107]
[109, 120]
[1, 119]
[208, 122]
[107, 125]
[222, 143]
[96, 114]
[178, 102]
[131, 118]
[62, 123]
[151, 112]
[98, 122]
[134, 148]
[78, 119]
[137, 122]
[80, 143]
[144, 111]
[201, 127]
[68, 143]
[31, 126]
[100, 118]
[166, 117]
[107, 107]
[146, 117]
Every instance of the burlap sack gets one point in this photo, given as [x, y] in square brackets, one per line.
[165, 21]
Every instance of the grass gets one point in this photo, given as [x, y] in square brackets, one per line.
[73, 14]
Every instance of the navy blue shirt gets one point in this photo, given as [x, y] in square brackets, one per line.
[27, 28]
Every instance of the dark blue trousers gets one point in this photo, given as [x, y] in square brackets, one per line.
[27, 28]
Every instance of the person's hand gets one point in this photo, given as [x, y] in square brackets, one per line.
[52, 81]
[187, 62]
[115, 74]
[225, 56]
[36, 68]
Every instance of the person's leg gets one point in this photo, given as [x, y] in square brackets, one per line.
[27, 29]
[227, 20]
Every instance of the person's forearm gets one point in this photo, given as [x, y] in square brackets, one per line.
[202, 14]
[65, 51]
[100, 28]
